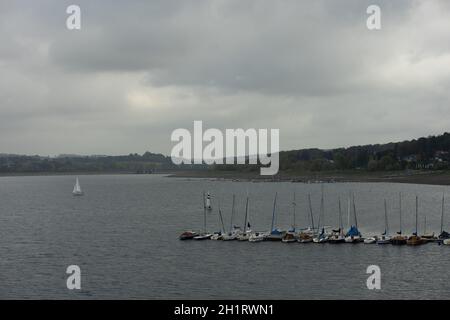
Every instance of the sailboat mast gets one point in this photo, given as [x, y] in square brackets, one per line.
[220, 215]
[354, 211]
[340, 216]
[348, 211]
[400, 210]
[442, 213]
[425, 225]
[273, 211]
[417, 209]
[310, 211]
[386, 227]
[294, 204]
[322, 208]
[204, 213]
[246, 215]
[232, 213]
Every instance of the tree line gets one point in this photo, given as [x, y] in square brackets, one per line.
[429, 153]
[132, 163]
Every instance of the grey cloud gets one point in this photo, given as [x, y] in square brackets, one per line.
[139, 69]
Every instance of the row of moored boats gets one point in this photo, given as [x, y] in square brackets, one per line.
[315, 233]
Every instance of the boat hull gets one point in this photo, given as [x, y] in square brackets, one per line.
[353, 240]
[291, 240]
[243, 237]
[414, 241]
[256, 239]
[217, 237]
[320, 240]
[334, 241]
[273, 238]
[203, 237]
[398, 242]
[227, 237]
[188, 235]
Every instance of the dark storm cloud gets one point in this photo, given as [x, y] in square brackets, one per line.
[139, 69]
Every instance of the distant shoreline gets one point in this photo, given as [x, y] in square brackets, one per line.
[412, 177]
[38, 174]
[416, 177]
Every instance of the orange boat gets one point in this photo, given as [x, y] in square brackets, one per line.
[414, 240]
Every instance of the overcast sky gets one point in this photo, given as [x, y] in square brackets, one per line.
[137, 70]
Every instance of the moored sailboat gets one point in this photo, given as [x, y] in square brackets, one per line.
[188, 235]
[353, 235]
[234, 231]
[275, 234]
[307, 235]
[444, 236]
[219, 235]
[204, 235]
[415, 239]
[385, 238]
[371, 240]
[257, 236]
[337, 236]
[290, 236]
[427, 237]
[321, 237]
[247, 231]
[399, 239]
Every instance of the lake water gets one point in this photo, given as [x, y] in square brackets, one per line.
[123, 233]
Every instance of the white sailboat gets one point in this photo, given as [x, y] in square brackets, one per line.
[321, 237]
[205, 235]
[219, 235]
[427, 237]
[247, 231]
[77, 189]
[258, 236]
[307, 235]
[385, 238]
[234, 231]
[337, 236]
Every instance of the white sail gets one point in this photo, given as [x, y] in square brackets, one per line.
[77, 188]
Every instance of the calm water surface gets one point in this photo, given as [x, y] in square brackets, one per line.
[124, 236]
